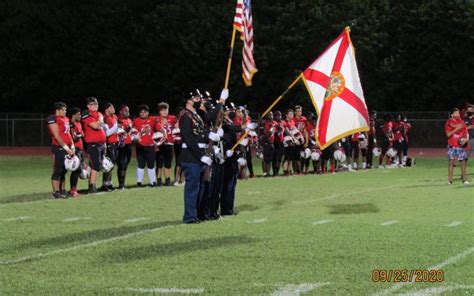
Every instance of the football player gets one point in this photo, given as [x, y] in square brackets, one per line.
[77, 135]
[164, 155]
[95, 138]
[124, 144]
[458, 137]
[111, 131]
[145, 149]
[61, 145]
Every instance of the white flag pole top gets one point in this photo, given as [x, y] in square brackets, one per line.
[333, 83]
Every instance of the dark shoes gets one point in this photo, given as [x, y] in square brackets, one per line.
[59, 194]
[195, 221]
[92, 189]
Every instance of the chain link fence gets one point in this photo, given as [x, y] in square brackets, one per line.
[30, 129]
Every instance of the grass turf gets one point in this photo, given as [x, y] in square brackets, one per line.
[289, 231]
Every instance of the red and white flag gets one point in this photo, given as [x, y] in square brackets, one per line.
[333, 83]
[243, 23]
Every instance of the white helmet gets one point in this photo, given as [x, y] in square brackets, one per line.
[176, 131]
[158, 138]
[85, 172]
[72, 163]
[305, 154]
[392, 152]
[376, 151]
[107, 165]
[316, 155]
[361, 137]
[121, 131]
[339, 155]
[135, 135]
[242, 162]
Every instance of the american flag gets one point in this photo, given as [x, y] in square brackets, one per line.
[243, 23]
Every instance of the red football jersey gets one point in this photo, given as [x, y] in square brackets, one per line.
[146, 128]
[407, 128]
[76, 132]
[388, 129]
[311, 131]
[355, 137]
[290, 124]
[92, 135]
[462, 133]
[269, 131]
[126, 124]
[398, 130]
[168, 123]
[64, 129]
[300, 123]
[110, 121]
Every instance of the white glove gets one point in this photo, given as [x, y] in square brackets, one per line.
[206, 160]
[101, 118]
[220, 132]
[221, 160]
[252, 126]
[229, 153]
[214, 137]
[217, 150]
[244, 142]
[225, 94]
[241, 161]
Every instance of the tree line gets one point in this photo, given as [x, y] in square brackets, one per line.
[412, 55]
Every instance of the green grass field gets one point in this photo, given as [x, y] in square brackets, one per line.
[308, 235]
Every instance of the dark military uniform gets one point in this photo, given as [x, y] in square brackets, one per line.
[231, 167]
[194, 146]
[208, 193]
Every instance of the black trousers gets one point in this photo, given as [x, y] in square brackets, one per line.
[228, 186]
[370, 155]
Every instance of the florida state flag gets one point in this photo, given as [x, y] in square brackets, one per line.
[333, 83]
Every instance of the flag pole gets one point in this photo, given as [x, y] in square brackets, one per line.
[268, 109]
[229, 62]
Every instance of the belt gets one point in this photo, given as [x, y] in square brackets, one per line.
[201, 145]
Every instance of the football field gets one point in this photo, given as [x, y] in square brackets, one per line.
[300, 235]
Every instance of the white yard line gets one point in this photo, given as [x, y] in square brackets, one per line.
[136, 220]
[73, 219]
[454, 224]
[161, 290]
[389, 223]
[296, 290]
[439, 290]
[322, 222]
[257, 221]
[16, 219]
[448, 261]
[82, 246]
[253, 192]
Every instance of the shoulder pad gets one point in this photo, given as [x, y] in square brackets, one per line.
[51, 119]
